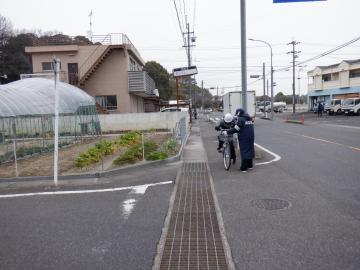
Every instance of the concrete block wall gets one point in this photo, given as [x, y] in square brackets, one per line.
[141, 121]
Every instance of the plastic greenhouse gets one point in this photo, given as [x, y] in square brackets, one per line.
[27, 117]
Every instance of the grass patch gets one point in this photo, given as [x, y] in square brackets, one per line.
[152, 152]
[105, 148]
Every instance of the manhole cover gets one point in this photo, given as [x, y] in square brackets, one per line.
[270, 204]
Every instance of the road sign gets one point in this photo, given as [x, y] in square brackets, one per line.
[290, 1]
[185, 71]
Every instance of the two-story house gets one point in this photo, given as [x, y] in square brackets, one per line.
[110, 70]
[337, 81]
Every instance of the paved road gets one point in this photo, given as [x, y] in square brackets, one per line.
[117, 229]
[318, 174]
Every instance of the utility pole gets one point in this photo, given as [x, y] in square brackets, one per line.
[294, 56]
[243, 53]
[202, 95]
[264, 89]
[188, 46]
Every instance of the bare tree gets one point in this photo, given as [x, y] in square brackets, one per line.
[6, 30]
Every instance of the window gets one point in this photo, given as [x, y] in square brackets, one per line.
[48, 66]
[330, 77]
[107, 102]
[354, 73]
[357, 101]
[326, 77]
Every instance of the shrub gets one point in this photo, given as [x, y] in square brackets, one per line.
[170, 145]
[150, 146]
[105, 148]
[157, 155]
[129, 138]
[133, 154]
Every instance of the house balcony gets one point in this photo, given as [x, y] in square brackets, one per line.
[141, 84]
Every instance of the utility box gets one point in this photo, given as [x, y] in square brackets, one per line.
[233, 101]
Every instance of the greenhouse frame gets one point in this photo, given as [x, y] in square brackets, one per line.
[27, 117]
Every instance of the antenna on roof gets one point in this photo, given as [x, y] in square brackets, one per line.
[90, 33]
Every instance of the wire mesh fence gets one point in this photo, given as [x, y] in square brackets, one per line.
[24, 136]
[26, 145]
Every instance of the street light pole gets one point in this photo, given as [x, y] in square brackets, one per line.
[271, 74]
[299, 78]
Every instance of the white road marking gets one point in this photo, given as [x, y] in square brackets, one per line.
[340, 126]
[276, 157]
[133, 197]
[128, 206]
[140, 189]
[323, 140]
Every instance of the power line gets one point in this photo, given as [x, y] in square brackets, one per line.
[177, 14]
[330, 51]
[323, 54]
[194, 15]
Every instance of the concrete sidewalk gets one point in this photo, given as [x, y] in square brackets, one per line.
[193, 235]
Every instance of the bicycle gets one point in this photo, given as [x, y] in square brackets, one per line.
[226, 151]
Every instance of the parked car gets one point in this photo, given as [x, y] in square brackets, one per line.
[334, 107]
[174, 109]
[278, 107]
[351, 106]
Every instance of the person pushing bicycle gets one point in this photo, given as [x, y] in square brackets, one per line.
[226, 123]
[244, 127]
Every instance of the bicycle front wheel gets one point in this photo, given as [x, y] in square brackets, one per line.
[227, 157]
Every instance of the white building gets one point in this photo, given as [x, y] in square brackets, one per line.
[339, 81]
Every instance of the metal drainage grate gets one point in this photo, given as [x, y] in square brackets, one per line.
[270, 204]
[193, 239]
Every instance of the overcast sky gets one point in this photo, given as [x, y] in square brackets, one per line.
[153, 28]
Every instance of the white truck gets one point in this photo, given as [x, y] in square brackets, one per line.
[351, 106]
[233, 101]
[334, 107]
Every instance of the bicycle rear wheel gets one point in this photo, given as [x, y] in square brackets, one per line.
[227, 157]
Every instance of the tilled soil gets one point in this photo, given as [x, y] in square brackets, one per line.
[42, 165]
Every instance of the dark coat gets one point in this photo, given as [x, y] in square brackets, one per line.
[245, 129]
[223, 125]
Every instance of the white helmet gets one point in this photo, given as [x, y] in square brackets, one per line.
[228, 118]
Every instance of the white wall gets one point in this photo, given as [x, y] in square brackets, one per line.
[141, 121]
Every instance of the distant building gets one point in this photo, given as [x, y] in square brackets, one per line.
[111, 71]
[339, 81]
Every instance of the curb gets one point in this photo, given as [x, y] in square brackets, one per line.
[100, 174]
[294, 122]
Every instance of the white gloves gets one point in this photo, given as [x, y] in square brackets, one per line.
[224, 132]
